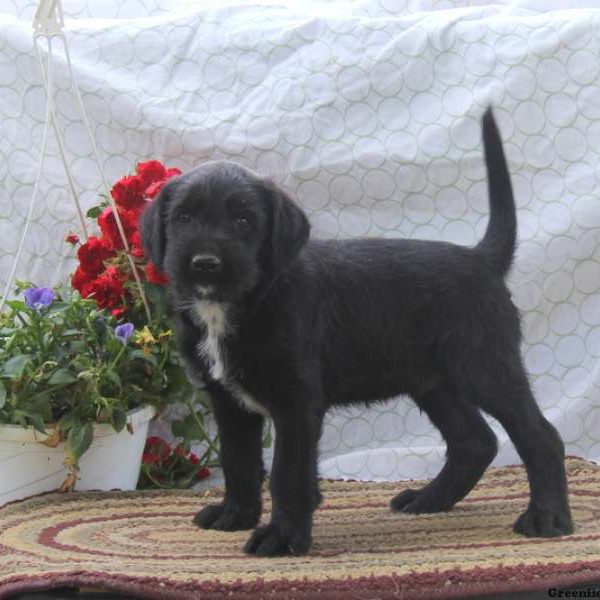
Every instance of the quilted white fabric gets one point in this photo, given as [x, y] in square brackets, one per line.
[368, 112]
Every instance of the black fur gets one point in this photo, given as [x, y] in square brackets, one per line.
[321, 323]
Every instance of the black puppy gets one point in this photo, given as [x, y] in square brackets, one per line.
[274, 324]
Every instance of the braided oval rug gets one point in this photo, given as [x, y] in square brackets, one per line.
[143, 543]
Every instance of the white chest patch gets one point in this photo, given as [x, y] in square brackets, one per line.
[214, 317]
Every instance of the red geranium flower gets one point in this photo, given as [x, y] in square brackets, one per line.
[109, 229]
[82, 281]
[154, 188]
[72, 238]
[154, 275]
[128, 192]
[136, 245]
[158, 445]
[193, 458]
[172, 172]
[150, 459]
[108, 286]
[203, 473]
[107, 289]
[92, 255]
[151, 171]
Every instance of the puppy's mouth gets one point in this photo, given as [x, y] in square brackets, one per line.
[204, 292]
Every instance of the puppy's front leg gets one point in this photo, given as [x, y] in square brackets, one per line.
[293, 484]
[240, 435]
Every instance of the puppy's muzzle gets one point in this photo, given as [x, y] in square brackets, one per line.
[206, 263]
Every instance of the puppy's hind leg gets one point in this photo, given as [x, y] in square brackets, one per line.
[471, 447]
[507, 396]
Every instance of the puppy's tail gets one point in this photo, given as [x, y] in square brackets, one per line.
[498, 243]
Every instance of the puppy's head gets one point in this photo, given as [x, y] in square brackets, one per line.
[220, 231]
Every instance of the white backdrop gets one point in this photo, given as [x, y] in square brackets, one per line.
[367, 111]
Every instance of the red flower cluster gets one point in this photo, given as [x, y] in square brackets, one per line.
[169, 466]
[155, 451]
[72, 238]
[101, 273]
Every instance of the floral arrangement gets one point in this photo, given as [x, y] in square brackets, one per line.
[67, 364]
[90, 352]
[105, 271]
[164, 466]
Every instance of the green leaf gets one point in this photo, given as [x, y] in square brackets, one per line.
[2, 395]
[14, 367]
[67, 422]
[119, 419]
[176, 378]
[140, 354]
[157, 295]
[113, 377]
[58, 307]
[18, 418]
[40, 405]
[71, 332]
[201, 397]
[25, 418]
[188, 428]
[17, 305]
[79, 347]
[94, 212]
[79, 440]
[62, 377]
[178, 428]
[37, 421]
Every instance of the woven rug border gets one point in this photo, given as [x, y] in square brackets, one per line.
[450, 585]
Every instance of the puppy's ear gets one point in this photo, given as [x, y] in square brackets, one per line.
[289, 229]
[153, 227]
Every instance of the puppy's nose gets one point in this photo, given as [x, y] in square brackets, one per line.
[206, 263]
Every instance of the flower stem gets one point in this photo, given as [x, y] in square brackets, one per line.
[38, 333]
[121, 351]
[156, 482]
[210, 443]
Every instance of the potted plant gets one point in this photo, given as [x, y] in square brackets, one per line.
[86, 366]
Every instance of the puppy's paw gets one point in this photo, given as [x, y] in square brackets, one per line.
[541, 522]
[227, 517]
[419, 501]
[275, 539]
[403, 499]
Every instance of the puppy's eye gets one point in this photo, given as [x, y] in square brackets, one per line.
[183, 217]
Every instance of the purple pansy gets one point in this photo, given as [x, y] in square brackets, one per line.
[38, 298]
[123, 332]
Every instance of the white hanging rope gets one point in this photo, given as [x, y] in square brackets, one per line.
[136, 275]
[36, 185]
[48, 23]
[57, 133]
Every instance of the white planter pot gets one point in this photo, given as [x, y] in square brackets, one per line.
[112, 461]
